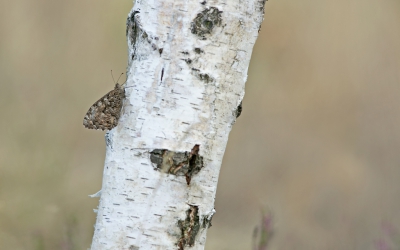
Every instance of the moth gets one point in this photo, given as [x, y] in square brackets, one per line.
[104, 114]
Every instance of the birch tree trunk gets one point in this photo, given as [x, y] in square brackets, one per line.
[187, 70]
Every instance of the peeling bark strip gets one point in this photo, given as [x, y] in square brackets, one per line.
[189, 228]
[178, 163]
[186, 74]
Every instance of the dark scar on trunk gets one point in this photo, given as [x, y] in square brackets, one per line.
[178, 163]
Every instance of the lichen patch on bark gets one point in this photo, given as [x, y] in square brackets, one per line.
[205, 21]
[178, 163]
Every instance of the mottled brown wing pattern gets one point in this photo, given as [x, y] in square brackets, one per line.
[104, 114]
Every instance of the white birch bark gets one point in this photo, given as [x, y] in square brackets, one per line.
[187, 70]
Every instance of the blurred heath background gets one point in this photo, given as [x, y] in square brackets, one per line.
[317, 144]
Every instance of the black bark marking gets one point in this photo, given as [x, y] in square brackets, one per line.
[178, 163]
[207, 222]
[202, 76]
[189, 228]
[261, 9]
[205, 77]
[205, 21]
[238, 110]
[132, 31]
[198, 50]
[108, 140]
[162, 74]
[188, 60]
[262, 5]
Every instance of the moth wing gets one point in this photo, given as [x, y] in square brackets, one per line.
[104, 113]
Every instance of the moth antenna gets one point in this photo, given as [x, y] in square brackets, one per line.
[112, 77]
[119, 77]
[125, 80]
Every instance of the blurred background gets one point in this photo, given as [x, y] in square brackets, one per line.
[317, 143]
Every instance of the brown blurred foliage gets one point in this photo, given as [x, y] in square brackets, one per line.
[317, 142]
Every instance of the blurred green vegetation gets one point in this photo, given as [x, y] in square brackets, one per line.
[317, 141]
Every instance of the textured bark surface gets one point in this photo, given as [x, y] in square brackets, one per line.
[187, 70]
